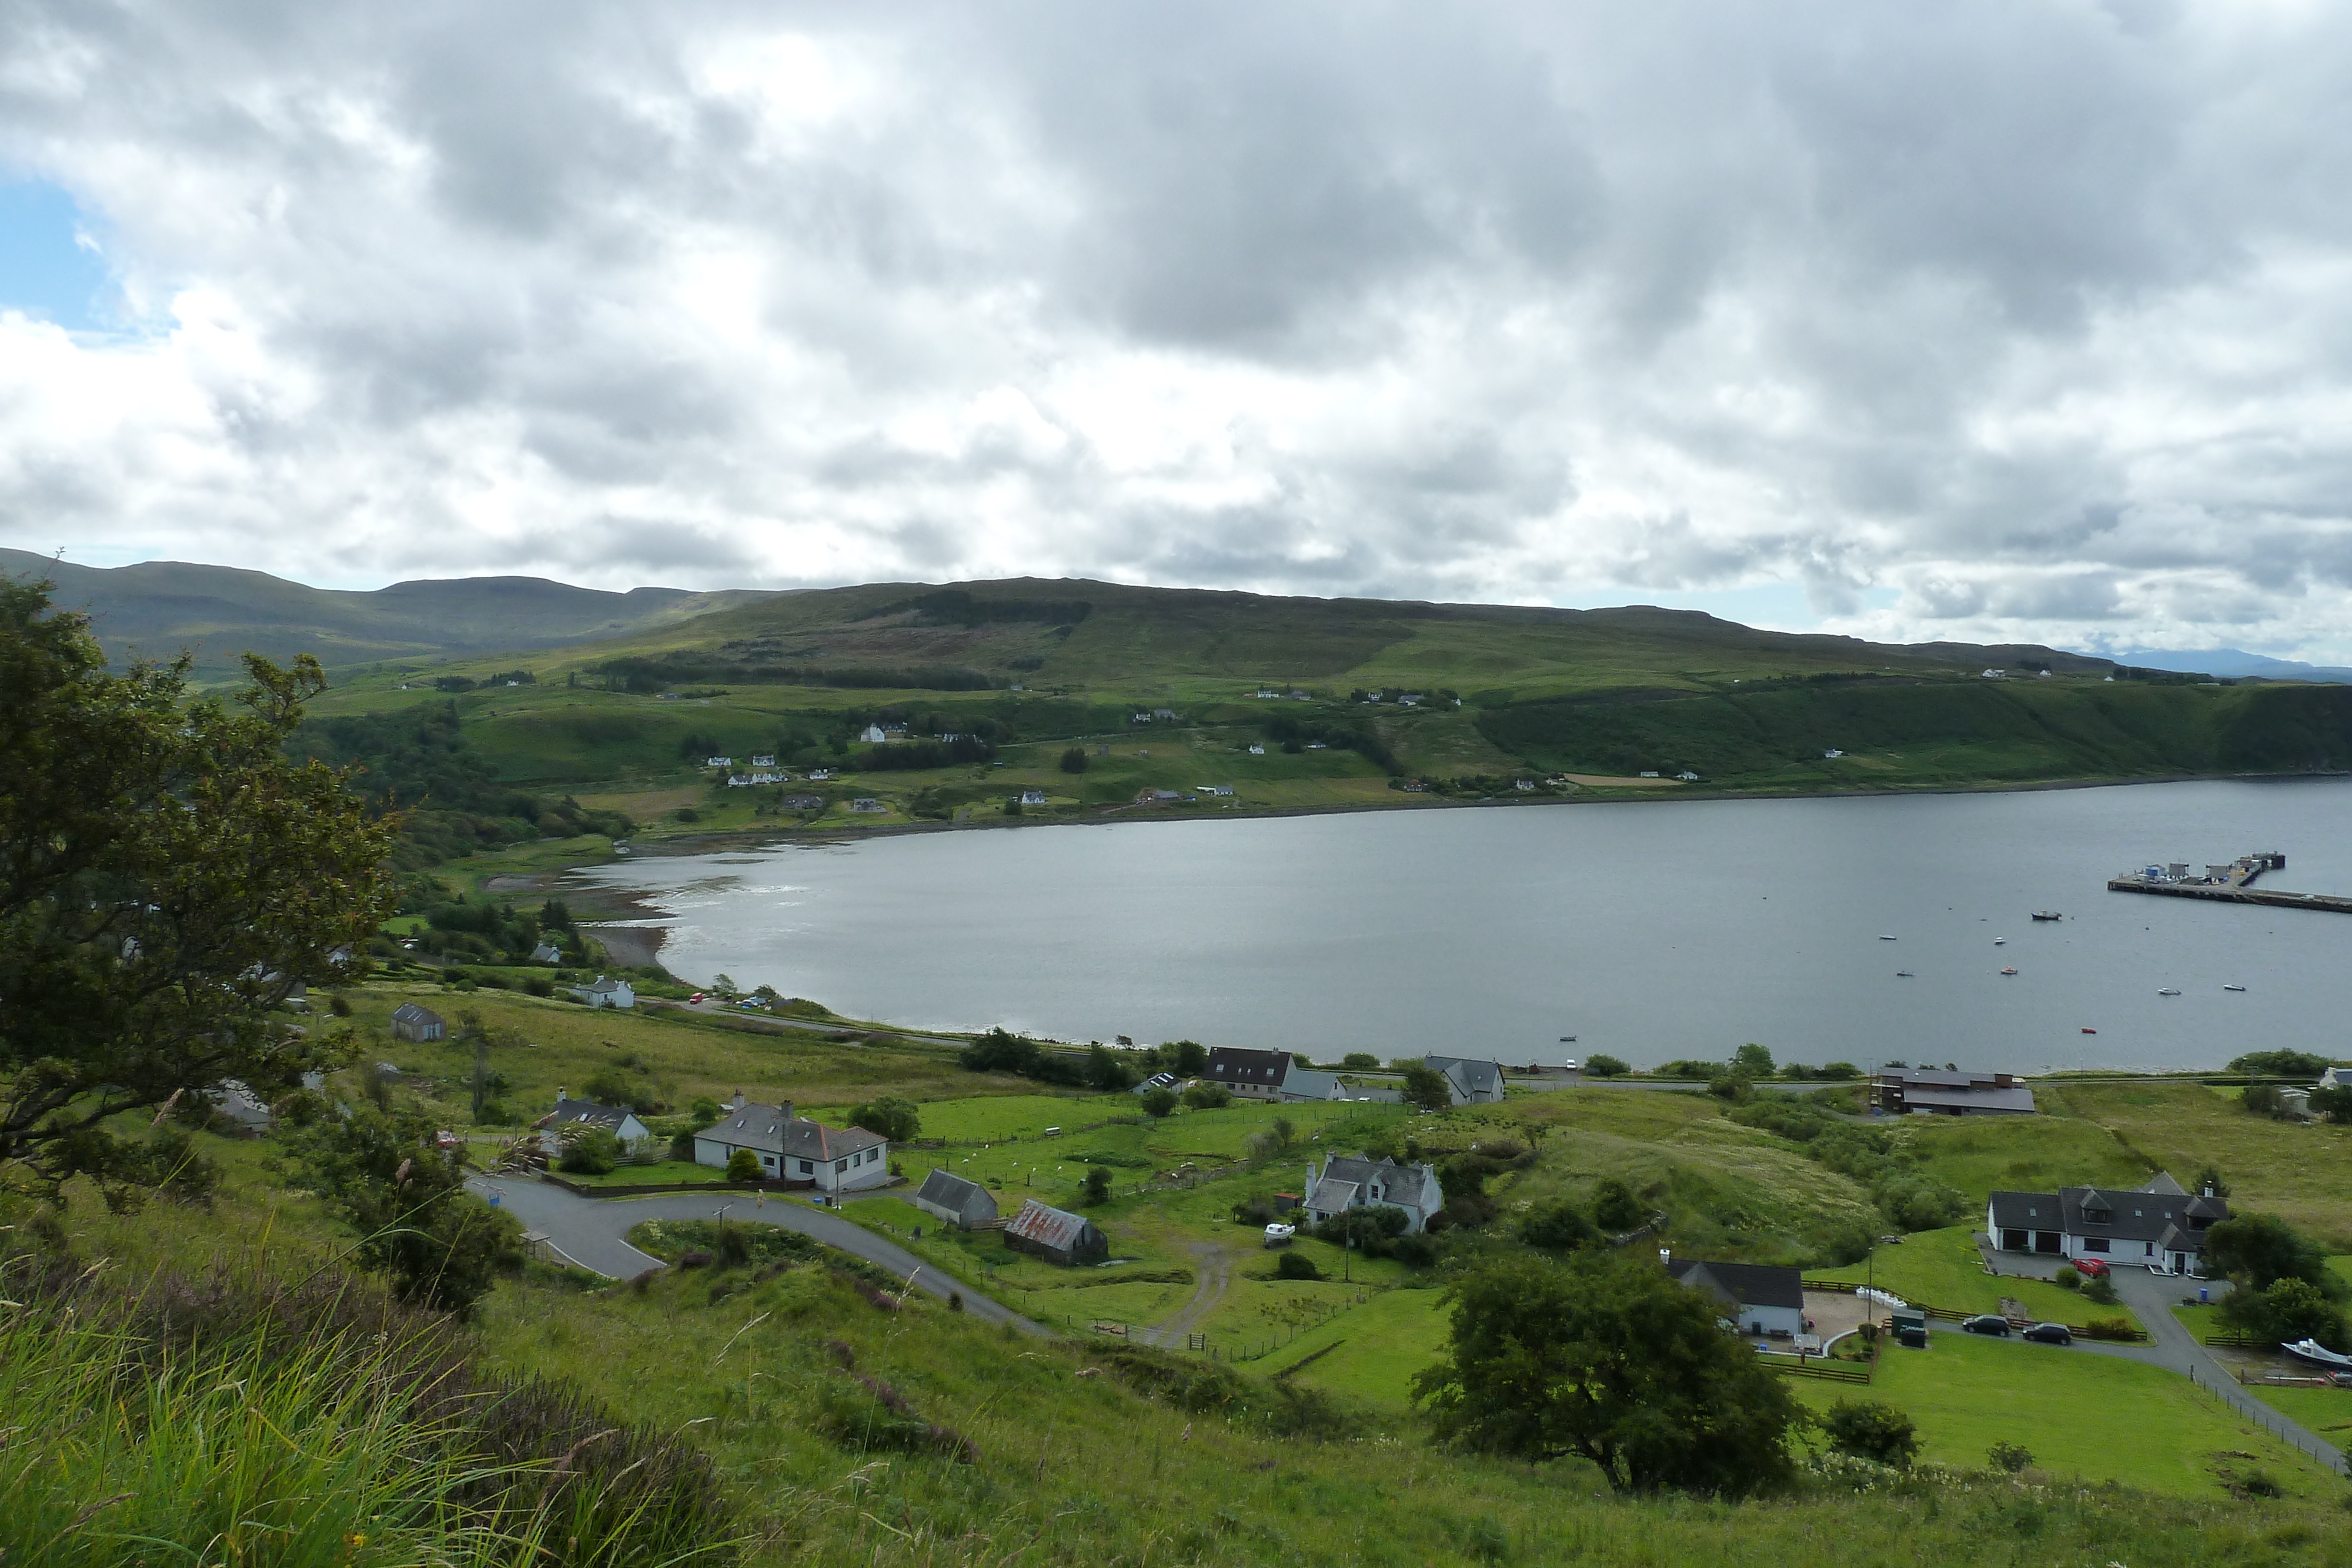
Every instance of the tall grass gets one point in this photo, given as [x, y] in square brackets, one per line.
[249, 1424]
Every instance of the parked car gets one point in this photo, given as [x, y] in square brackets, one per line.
[1279, 1235]
[694, 999]
[1987, 1323]
[2050, 1334]
[2090, 1268]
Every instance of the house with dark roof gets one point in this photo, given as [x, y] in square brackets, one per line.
[966, 1205]
[1347, 1182]
[1302, 1085]
[794, 1148]
[1758, 1297]
[1055, 1235]
[2157, 1226]
[1473, 1083]
[1250, 1074]
[412, 1023]
[584, 1116]
[1927, 1091]
[607, 993]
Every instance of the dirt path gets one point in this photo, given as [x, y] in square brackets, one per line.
[1215, 1269]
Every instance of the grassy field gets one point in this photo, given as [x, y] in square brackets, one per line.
[1369, 1353]
[1943, 1269]
[2085, 1416]
[1983, 1154]
[2298, 1171]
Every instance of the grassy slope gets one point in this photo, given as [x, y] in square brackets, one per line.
[1942, 1269]
[2299, 1172]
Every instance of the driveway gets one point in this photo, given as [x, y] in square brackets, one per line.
[593, 1233]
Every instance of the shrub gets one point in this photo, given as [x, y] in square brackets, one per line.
[1295, 1266]
[1615, 1208]
[1074, 760]
[1208, 1096]
[1097, 1186]
[1361, 1060]
[743, 1165]
[2067, 1279]
[1870, 1429]
[1841, 1071]
[890, 1116]
[2118, 1328]
[1605, 1066]
[1557, 1227]
[1159, 1099]
[593, 1153]
[340, 1005]
[2102, 1292]
[2008, 1456]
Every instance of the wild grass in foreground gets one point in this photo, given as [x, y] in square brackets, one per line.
[237, 1422]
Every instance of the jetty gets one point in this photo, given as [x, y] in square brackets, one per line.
[2230, 883]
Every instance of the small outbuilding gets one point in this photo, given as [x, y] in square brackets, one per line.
[966, 1205]
[1759, 1298]
[420, 1024]
[1055, 1235]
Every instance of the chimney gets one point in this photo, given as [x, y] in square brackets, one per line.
[787, 1108]
[560, 1095]
[737, 1104]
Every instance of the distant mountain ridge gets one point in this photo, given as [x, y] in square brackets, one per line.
[157, 607]
[2232, 663]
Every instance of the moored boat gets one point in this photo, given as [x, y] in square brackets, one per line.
[2318, 1354]
[2168, 991]
[2047, 915]
[2008, 969]
[2233, 987]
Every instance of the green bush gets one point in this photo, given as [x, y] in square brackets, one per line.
[2008, 1456]
[593, 1153]
[1873, 1430]
[1097, 1186]
[1159, 1099]
[1295, 1266]
[1360, 1061]
[1605, 1066]
[742, 1164]
[1208, 1096]
[2068, 1277]
[1615, 1208]
[2122, 1331]
[1557, 1227]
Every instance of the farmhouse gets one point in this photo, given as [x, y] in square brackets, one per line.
[606, 993]
[873, 734]
[618, 1120]
[1473, 1083]
[1250, 1074]
[966, 1205]
[2158, 1227]
[804, 802]
[412, 1023]
[1924, 1091]
[1055, 1235]
[1032, 797]
[1346, 1183]
[792, 1148]
[1760, 1298]
[547, 953]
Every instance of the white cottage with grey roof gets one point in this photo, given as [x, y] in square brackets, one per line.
[1346, 1183]
[1473, 1083]
[587, 1115]
[2158, 1227]
[794, 1148]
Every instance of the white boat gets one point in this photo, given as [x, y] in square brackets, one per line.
[2168, 991]
[2047, 915]
[2318, 1354]
[2233, 987]
[1883, 936]
[2000, 941]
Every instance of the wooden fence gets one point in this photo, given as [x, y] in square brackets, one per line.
[2136, 1336]
[1257, 1350]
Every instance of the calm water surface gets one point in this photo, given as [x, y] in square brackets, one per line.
[1649, 931]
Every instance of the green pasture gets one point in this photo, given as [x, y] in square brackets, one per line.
[1943, 1269]
[2083, 1416]
[1984, 1155]
[1374, 1349]
[667, 1171]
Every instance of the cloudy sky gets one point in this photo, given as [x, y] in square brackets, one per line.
[2006, 319]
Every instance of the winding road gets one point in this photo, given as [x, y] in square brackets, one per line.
[593, 1233]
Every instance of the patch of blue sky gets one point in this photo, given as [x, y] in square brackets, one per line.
[49, 266]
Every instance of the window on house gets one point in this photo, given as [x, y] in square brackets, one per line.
[2094, 1244]
[804, 1167]
[839, 1166]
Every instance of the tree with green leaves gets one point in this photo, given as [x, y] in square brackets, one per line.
[1425, 1088]
[1097, 1186]
[1159, 1100]
[1752, 1060]
[1615, 1208]
[1074, 760]
[1558, 1226]
[890, 1116]
[168, 879]
[1606, 1358]
[1603, 1065]
[2254, 1250]
[1872, 1429]
[437, 1244]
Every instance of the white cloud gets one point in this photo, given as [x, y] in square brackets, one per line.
[2025, 320]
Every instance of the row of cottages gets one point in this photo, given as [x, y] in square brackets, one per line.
[1348, 1182]
[1754, 1297]
[2158, 1227]
[586, 1114]
[1924, 1092]
[794, 1148]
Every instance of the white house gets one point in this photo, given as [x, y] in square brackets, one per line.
[768, 761]
[2157, 1226]
[1032, 797]
[1250, 1074]
[618, 1120]
[547, 953]
[1256, 749]
[1215, 789]
[1759, 1298]
[1347, 1182]
[792, 1148]
[1688, 776]
[607, 993]
[1473, 1082]
[720, 762]
[873, 734]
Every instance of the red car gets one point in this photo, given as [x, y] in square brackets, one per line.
[2090, 1268]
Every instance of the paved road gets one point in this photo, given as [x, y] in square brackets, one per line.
[593, 1233]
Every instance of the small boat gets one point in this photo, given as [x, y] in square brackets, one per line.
[2168, 991]
[1905, 975]
[2047, 915]
[2233, 987]
[2090, 1031]
[2008, 969]
[1568, 1040]
[2000, 941]
[1883, 936]
[2318, 1354]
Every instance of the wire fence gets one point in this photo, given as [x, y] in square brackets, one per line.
[2270, 1420]
[1322, 1312]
